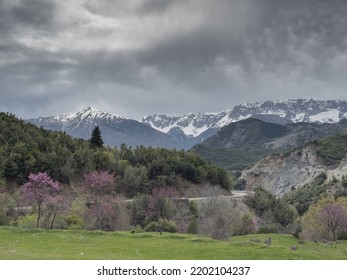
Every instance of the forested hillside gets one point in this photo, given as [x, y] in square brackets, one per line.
[26, 149]
[240, 144]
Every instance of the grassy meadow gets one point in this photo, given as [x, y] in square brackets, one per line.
[20, 244]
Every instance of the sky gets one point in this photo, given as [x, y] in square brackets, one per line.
[140, 57]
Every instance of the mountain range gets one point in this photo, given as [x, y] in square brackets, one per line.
[115, 129]
[184, 132]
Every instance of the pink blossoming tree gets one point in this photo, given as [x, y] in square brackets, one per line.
[104, 208]
[38, 190]
[97, 184]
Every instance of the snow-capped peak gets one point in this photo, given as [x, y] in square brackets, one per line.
[88, 113]
[293, 110]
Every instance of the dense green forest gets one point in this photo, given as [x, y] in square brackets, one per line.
[25, 149]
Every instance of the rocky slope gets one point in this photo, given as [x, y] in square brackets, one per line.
[283, 173]
[247, 140]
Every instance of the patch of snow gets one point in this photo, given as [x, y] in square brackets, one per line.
[299, 117]
[331, 116]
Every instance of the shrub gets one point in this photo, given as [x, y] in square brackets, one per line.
[268, 229]
[73, 221]
[193, 226]
[27, 221]
[162, 225]
[137, 229]
[4, 220]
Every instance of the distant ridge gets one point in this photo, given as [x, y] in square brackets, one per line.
[183, 132]
[115, 129]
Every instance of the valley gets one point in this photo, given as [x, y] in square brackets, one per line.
[256, 173]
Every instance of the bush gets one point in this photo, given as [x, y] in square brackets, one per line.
[137, 229]
[268, 229]
[320, 179]
[162, 225]
[74, 222]
[27, 221]
[4, 220]
[344, 181]
[193, 226]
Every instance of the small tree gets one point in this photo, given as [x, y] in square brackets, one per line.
[56, 205]
[108, 214]
[96, 139]
[38, 190]
[161, 204]
[106, 211]
[326, 219]
[332, 219]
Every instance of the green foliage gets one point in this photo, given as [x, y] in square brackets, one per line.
[344, 181]
[96, 139]
[4, 220]
[28, 221]
[22, 244]
[138, 210]
[245, 225]
[273, 209]
[267, 229]
[230, 158]
[193, 226]
[73, 221]
[302, 198]
[26, 149]
[332, 149]
[326, 219]
[163, 225]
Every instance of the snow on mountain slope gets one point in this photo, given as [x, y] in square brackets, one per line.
[298, 110]
[89, 115]
[115, 129]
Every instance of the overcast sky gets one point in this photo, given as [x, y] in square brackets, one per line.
[140, 57]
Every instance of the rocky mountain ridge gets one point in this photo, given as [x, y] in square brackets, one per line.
[186, 131]
[286, 111]
[115, 129]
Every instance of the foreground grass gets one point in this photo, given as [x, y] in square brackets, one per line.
[19, 244]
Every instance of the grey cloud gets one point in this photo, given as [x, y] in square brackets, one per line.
[179, 56]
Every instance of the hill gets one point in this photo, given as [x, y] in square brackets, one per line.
[240, 144]
[307, 167]
[25, 149]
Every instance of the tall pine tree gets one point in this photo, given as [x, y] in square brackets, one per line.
[96, 140]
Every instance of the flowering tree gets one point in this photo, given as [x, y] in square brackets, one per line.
[161, 203]
[98, 183]
[38, 190]
[107, 214]
[105, 210]
[326, 219]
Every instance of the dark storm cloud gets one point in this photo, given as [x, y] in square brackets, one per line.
[141, 57]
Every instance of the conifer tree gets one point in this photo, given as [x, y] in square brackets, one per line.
[96, 140]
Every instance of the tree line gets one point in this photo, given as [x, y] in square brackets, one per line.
[26, 149]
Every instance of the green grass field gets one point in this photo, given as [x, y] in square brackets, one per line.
[19, 244]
